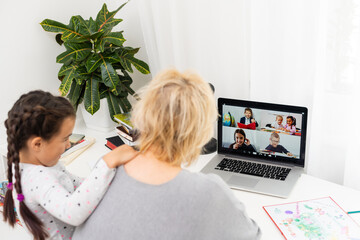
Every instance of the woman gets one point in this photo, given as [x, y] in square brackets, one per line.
[152, 197]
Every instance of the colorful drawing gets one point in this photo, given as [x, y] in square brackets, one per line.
[317, 219]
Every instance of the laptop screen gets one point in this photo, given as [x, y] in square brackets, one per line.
[262, 130]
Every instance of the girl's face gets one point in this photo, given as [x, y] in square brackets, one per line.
[279, 120]
[289, 121]
[51, 150]
[247, 114]
[239, 138]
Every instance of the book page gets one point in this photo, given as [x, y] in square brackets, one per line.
[313, 219]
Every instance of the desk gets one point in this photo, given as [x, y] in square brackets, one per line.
[307, 187]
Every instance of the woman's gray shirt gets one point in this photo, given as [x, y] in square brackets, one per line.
[190, 206]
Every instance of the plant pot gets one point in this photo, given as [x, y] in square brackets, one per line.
[101, 120]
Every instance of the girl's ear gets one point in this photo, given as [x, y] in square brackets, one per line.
[35, 143]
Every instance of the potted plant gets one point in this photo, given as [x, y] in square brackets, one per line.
[96, 64]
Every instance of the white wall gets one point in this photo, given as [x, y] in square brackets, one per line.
[28, 53]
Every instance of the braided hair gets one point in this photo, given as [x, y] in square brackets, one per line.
[39, 114]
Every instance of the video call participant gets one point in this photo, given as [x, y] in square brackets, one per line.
[241, 142]
[278, 122]
[274, 145]
[248, 118]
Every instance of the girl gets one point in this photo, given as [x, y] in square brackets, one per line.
[50, 200]
[241, 142]
[290, 125]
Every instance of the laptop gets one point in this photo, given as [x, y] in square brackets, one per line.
[263, 153]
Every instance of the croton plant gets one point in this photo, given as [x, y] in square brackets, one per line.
[95, 63]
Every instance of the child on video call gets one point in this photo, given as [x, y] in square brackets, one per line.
[278, 122]
[248, 120]
[290, 125]
[49, 199]
[241, 142]
[274, 145]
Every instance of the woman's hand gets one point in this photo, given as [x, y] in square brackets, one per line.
[120, 155]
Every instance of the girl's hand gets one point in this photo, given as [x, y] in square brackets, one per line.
[252, 120]
[247, 141]
[236, 146]
[120, 155]
[289, 154]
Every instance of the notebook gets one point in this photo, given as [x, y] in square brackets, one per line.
[257, 151]
[320, 218]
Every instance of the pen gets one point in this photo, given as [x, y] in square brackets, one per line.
[353, 212]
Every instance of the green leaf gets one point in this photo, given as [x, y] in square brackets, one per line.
[76, 51]
[69, 32]
[103, 90]
[81, 74]
[113, 104]
[125, 104]
[130, 50]
[115, 38]
[93, 62]
[64, 69]
[53, 26]
[91, 24]
[127, 59]
[79, 25]
[123, 55]
[75, 93]
[126, 79]
[66, 82]
[105, 19]
[58, 39]
[141, 66]
[109, 76]
[112, 57]
[92, 95]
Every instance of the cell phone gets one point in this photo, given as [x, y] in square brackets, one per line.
[74, 138]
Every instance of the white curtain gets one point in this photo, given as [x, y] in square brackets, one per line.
[303, 52]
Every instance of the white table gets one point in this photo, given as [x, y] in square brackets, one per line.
[307, 187]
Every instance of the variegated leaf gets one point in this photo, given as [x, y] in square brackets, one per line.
[66, 68]
[125, 104]
[53, 26]
[141, 66]
[66, 82]
[92, 95]
[113, 104]
[76, 51]
[115, 38]
[75, 93]
[109, 76]
[93, 62]
[105, 19]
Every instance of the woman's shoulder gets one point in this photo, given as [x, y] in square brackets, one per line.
[205, 182]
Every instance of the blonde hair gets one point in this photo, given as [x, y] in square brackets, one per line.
[279, 116]
[175, 116]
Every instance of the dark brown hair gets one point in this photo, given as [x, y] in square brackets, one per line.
[293, 120]
[39, 114]
[240, 131]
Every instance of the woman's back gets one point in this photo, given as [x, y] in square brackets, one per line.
[190, 206]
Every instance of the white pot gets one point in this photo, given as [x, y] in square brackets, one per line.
[101, 120]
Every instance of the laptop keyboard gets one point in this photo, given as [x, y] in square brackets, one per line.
[254, 169]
